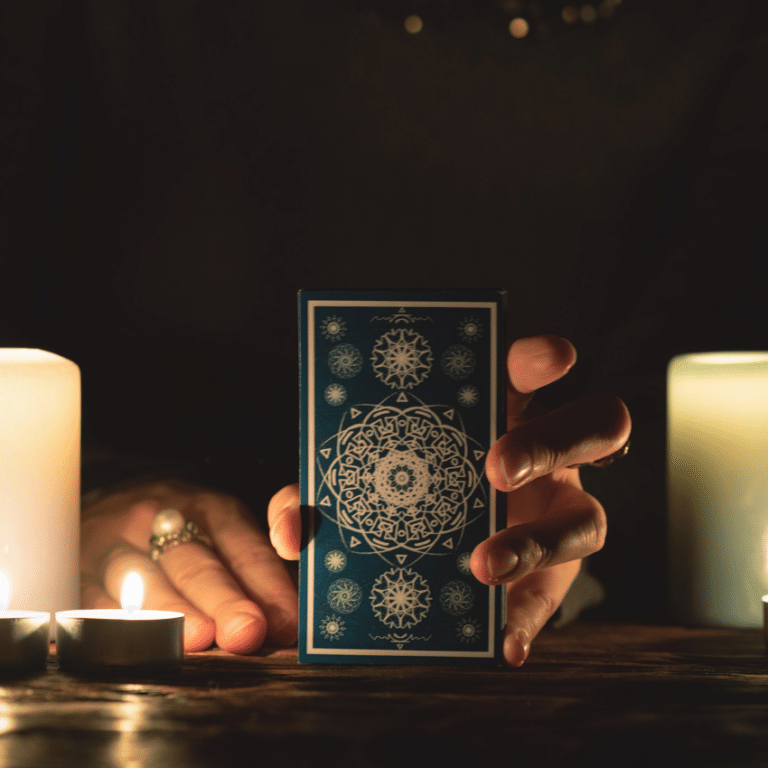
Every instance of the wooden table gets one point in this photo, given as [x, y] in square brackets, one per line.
[591, 694]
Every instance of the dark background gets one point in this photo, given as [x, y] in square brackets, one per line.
[174, 170]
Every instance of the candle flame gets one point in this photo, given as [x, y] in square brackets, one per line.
[5, 591]
[132, 592]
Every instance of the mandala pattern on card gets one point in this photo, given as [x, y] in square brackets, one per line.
[468, 396]
[345, 361]
[344, 595]
[458, 362]
[335, 561]
[400, 598]
[463, 562]
[468, 631]
[335, 394]
[457, 598]
[333, 328]
[401, 358]
[470, 330]
[401, 479]
[332, 628]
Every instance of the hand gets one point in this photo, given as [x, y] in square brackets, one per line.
[552, 522]
[237, 592]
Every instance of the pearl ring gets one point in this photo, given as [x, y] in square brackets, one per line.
[169, 529]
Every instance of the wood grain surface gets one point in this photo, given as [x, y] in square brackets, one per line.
[589, 695]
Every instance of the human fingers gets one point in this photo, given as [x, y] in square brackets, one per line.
[240, 582]
[581, 431]
[201, 578]
[246, 551]
[160, 595]
[572, 527]
[193, 570]
[531, 601]
[532, 363]
[110, 544]
[284, 518]
[92, 595]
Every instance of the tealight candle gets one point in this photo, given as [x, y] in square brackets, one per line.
[126, 638]
[23, 635]
[718, 487]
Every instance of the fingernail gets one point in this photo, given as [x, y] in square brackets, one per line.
[516, 647]
[241, 622]
[243, 633]
[501, 565]
[524, 641]
[199, 633]
[515, 465]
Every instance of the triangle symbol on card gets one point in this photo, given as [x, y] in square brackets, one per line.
[325, 452]
[354, 541]
[401, 558]
[354, 413]
[448, 543]
[478, 504]
[449, 414]
[326, 502]
[479, 455]
[401, 398]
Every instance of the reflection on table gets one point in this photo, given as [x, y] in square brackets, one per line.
[635, 695]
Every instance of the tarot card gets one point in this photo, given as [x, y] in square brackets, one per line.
[402, 395]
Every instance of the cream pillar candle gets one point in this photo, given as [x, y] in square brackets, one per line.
[40, 479]
[717, 455]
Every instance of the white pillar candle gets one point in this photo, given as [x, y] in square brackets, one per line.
[717, 453]
[40, 479]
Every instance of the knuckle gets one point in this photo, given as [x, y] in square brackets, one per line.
[547, 458]
[594, 529]
[600, 528]
[533, 554]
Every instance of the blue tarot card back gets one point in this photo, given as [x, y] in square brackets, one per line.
[402, 395]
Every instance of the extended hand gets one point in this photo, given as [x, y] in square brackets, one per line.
[552, 522]
[237, 592]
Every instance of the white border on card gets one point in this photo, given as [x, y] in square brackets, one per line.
[493, 626]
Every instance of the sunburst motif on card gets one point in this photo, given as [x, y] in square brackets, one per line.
[401, 358]
[400, 598]
[470, 330]
[333, 328]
